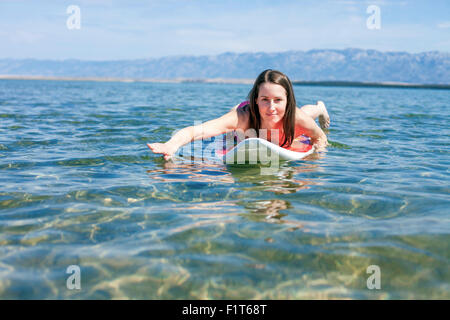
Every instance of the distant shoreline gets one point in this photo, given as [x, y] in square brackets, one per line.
[371, 84]
[235, 81]
[112, 79]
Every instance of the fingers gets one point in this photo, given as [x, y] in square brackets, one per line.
[320, 148]
[155, 149]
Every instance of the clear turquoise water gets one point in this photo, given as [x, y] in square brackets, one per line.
[78, 186]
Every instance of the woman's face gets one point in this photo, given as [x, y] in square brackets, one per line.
[271, 102]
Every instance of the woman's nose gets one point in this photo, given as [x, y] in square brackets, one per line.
[272, 104]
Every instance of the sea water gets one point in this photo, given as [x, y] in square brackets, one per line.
[88, 212]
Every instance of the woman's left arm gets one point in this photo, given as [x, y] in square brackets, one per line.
[318, 137]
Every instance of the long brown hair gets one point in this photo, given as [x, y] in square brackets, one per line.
[276, 77]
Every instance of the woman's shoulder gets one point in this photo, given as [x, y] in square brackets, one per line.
[242, 105]
[301, 120]
[242, 109]
[243, 114]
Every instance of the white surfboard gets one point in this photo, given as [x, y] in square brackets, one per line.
[257, 150]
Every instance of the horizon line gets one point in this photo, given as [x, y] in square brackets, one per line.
[323, 83]
[224, 53]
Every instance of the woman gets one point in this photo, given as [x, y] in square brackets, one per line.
[271, 109]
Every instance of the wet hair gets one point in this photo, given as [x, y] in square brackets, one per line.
[276, 77]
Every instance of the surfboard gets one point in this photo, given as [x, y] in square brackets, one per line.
[248, 151]
[257, 150]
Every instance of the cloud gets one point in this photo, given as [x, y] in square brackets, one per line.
[383, 3]
[444, 25]
[25, 37]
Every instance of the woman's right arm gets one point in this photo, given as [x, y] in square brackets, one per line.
[228, 122]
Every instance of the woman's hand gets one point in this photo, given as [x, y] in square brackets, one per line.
[165, 148]
[320, 144]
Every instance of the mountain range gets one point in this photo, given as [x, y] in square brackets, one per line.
[315, 65]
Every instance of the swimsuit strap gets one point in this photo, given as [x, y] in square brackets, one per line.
[243, 104]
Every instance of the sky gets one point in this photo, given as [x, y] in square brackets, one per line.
[132, 29]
